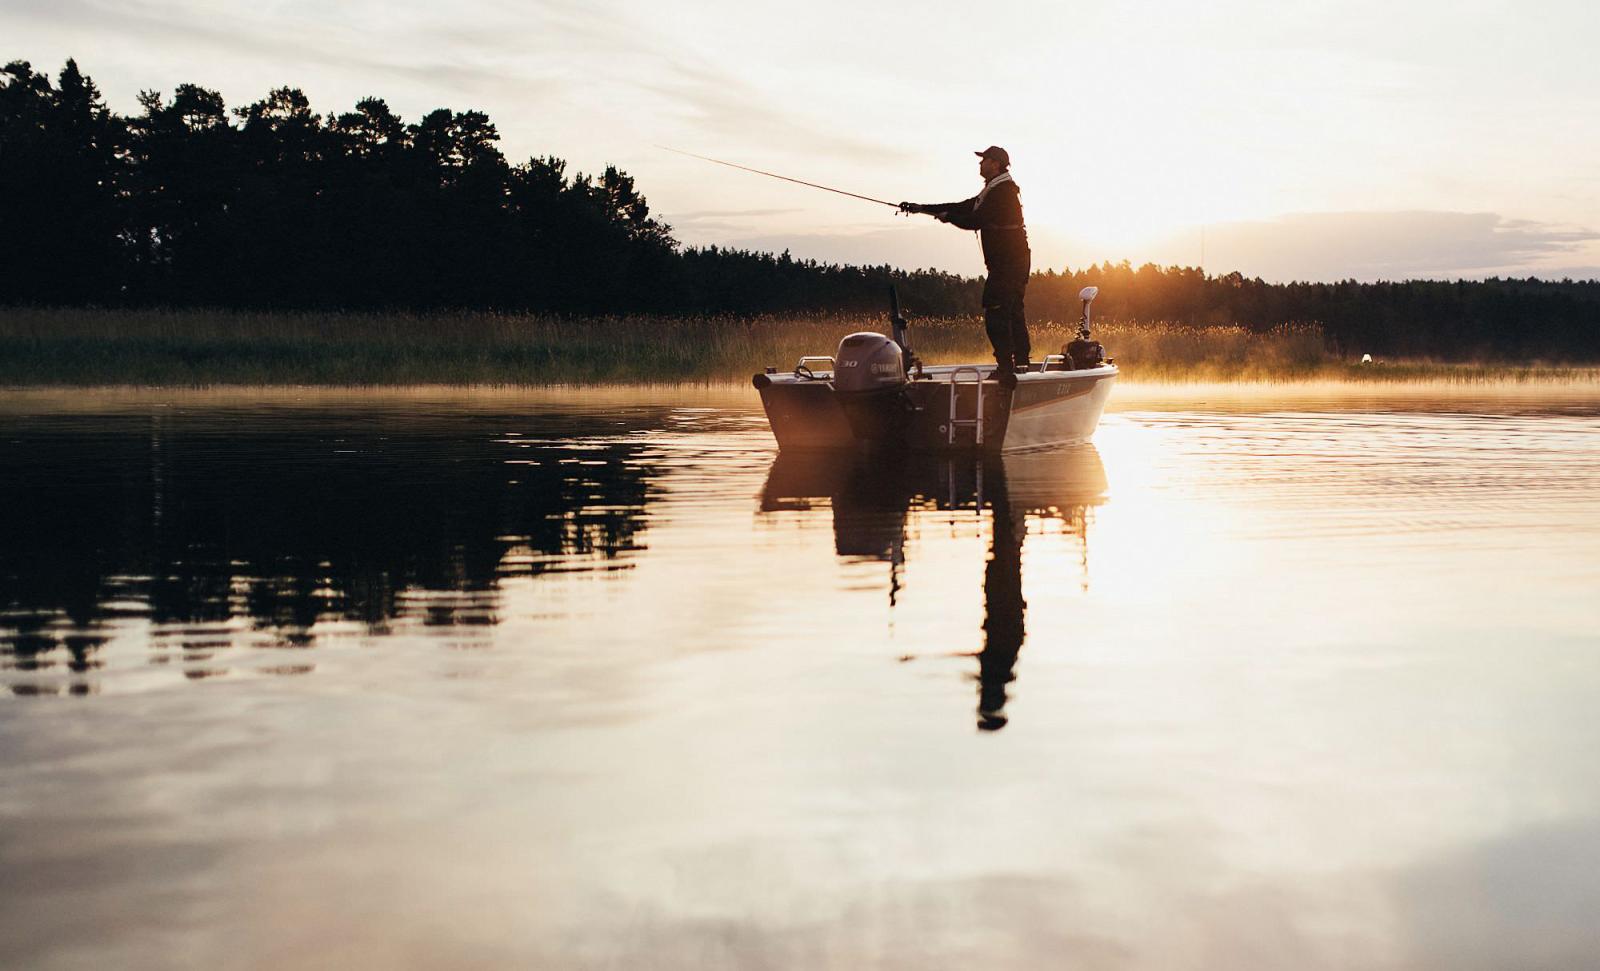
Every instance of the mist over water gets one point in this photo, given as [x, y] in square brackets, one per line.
[598, 679]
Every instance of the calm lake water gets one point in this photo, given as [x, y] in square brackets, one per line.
[577, 680]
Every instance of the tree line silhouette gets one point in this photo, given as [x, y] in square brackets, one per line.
[273, 206]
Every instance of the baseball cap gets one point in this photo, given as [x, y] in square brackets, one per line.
[997, 153]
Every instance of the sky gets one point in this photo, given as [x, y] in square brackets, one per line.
[1286, 140]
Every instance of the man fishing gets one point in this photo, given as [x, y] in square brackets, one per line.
[996, 213]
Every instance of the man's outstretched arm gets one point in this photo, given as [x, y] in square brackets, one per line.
[955, 213]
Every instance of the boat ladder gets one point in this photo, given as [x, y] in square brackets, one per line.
[976, 422]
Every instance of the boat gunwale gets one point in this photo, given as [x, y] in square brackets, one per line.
[943, 374]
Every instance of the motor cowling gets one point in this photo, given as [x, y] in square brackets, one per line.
[869, 378]
[867, 362]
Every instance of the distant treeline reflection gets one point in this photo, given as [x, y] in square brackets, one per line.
[192, 525]
[273, 206]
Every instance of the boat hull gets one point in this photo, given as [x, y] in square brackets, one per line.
[1058, 412]
[939, 412]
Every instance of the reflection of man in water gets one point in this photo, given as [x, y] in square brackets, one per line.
[1003, 609]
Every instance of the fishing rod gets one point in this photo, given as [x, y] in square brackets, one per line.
[773, 175]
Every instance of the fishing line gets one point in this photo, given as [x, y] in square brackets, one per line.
[774, 175]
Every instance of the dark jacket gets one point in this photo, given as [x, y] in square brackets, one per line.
[998, 221]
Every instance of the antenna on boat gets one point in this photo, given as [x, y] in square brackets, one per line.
[1087, 295]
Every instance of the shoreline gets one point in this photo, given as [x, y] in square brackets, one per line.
[1127, 396]
[18, 373]
[68, 349]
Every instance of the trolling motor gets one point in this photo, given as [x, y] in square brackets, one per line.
[897, 322]
[1081, 351]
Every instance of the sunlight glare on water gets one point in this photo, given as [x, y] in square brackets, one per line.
[597, 679]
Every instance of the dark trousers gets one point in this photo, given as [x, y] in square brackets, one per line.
[1003, 316]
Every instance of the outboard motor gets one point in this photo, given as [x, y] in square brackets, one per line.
[869, 375]
[1082, 352]
[868, 362]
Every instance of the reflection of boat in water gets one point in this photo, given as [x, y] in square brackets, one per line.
[872, 499]
[1055, 483]
[874, 390]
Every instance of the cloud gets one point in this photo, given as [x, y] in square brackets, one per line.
[913, 247]
[558, 56]
[716, 103]
[1386, 246]
[714, 225]
[1299, 246]
[702, 214]
[327, 44]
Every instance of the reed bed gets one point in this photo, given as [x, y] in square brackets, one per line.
[195, 348]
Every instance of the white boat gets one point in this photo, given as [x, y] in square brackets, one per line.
[866, 393]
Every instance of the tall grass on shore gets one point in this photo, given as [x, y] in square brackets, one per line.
[44, 346]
